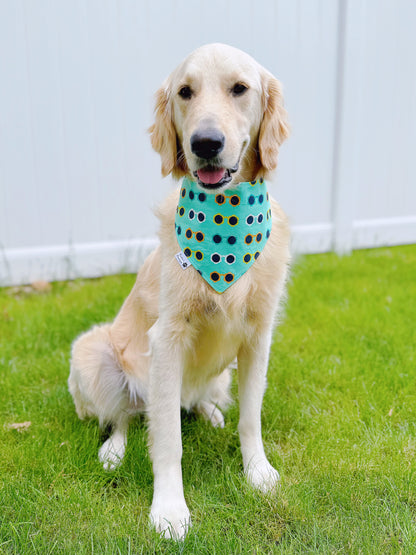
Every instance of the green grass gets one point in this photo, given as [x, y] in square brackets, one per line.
[339, 423]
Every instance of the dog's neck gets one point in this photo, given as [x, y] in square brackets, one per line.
[222, 233]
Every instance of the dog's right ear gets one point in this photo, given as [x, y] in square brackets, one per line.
[163, 137]
[162, 132]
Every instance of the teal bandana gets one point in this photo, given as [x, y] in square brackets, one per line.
[222, 234]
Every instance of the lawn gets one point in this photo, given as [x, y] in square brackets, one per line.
[339, 423]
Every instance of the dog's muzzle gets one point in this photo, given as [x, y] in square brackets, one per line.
[207, 144]
[212, 177]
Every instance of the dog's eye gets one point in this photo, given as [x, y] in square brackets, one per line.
[185, 92]
[238, 89]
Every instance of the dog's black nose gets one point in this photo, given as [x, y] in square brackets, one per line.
[208, 143]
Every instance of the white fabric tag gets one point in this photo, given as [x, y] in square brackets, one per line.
[182, 260]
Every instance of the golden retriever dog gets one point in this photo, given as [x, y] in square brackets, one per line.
[219, 122]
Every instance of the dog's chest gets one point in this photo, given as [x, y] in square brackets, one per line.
[215, 346]
[217, 337]
[213, 349]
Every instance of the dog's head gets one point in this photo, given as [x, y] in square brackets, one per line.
[219, 118]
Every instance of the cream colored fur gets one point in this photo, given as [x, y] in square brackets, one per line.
[175, 337]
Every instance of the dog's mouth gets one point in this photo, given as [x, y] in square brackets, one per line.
[213, 177]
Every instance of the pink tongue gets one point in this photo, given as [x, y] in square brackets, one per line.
[210, 177]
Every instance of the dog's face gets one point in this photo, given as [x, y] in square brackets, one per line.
[219, 118]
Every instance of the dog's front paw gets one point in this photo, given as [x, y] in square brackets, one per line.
[262, 475]
[171, 519]
[112, 452]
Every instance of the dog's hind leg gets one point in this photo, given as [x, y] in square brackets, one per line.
[99, 387]
[217, 397]
[112, 451]
[211, 413]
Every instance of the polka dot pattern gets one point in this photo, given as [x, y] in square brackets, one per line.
[224, 233]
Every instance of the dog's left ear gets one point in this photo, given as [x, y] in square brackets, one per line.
[164, 139]
[274, 128]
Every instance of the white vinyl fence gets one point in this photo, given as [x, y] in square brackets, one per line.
[78, 178]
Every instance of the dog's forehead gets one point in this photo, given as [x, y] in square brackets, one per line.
[220, 61]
